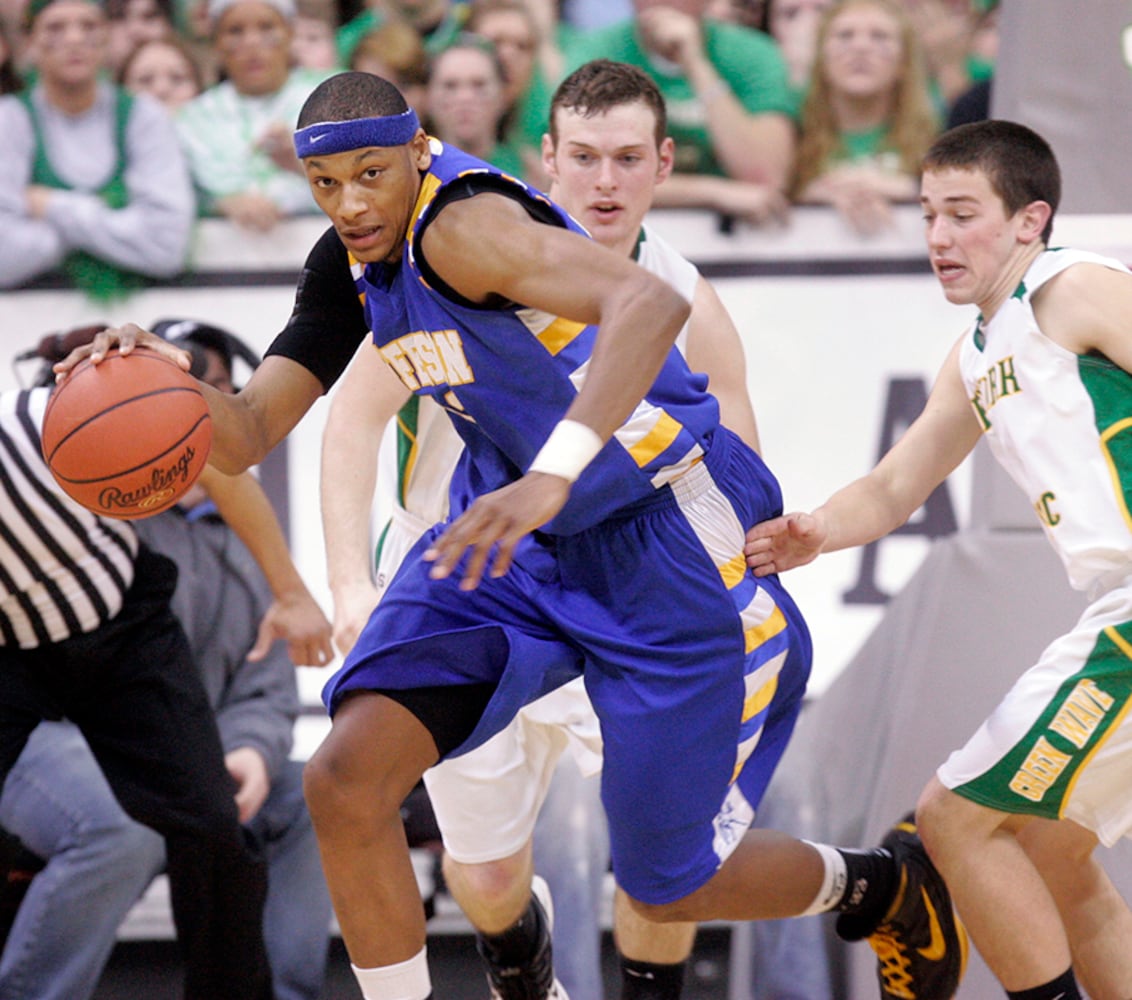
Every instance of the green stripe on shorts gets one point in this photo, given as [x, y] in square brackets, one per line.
[1036, 776]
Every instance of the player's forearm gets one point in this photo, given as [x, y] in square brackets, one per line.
[865, 510]
[631, 348]
[247, 425]
[367, 399]
[349, 475]
[247, 511]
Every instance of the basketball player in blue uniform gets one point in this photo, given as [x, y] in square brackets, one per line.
[597, 528]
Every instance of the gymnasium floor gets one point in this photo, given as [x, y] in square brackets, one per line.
[148, 970]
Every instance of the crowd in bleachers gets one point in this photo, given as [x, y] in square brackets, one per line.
[128, 119]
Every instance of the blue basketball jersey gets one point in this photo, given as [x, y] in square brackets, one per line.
[506, 376]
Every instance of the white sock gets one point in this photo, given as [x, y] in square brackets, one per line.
[833, 883]
[403, 981]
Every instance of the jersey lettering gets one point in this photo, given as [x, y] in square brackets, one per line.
[422, 359]
[1041, 768]
[998, 383]
[1083, 711]
[1076, 721]
[1044, 506]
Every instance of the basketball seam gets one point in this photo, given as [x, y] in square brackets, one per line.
[116, 406]
[150, 461]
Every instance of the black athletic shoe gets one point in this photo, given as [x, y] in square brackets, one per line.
[534, 980]
[920, 943]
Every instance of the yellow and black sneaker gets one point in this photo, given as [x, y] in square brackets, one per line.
[920, 943]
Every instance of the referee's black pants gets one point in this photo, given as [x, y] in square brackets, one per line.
[132, 688]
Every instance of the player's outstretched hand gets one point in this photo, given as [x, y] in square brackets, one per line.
[125, 338]
[784, 542]
[296, 618]
[492, 526]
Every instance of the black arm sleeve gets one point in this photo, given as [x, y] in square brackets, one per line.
[328, 321]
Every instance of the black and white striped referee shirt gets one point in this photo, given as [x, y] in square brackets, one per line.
[63, 569]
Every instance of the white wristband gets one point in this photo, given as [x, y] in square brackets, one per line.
[569, 449]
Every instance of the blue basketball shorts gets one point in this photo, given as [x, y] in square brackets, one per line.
[695, 668]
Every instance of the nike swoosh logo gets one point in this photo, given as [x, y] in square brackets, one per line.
[937, 946]
[317, 138]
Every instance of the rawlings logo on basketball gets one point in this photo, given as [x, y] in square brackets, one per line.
[162, 486]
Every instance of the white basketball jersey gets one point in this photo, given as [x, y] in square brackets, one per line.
[1060, 424]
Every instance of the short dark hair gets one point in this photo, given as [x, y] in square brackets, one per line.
[347, 96]
[1019, 163]
[595, 87]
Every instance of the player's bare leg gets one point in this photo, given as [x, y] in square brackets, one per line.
[656, 951]
[355, 782]
[1009, 910]
[769, 875]
[493, 895]
[1097, 920]
[512, 913]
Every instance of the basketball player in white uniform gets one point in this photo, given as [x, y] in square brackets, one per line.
[606, 153]
[1012, 819]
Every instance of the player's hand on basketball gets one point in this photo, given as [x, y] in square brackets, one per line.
[493, 526]
[296, 618]
[782, 543]
[353, 604]
[124, 339]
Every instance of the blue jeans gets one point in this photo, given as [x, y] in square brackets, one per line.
[297, 914]
[99, 862]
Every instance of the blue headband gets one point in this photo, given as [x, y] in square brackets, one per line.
[357, 133]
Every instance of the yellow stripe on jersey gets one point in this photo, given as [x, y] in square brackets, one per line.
[559, 334]
[763, 680]
[761, 685]
[357, 269]
[733, 570]
[663, 433]
[553, 332]
[760, 699]
[1113, 466]
[759, 634]
[1110, 432]
[758, 610]
[1119, 641]
[429, 187]
[410, 460]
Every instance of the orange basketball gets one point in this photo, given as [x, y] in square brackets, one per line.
[127, 437]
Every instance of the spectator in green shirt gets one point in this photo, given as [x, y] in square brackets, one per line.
[868, 118]
[437, 21]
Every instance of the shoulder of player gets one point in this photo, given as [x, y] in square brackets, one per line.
[481, 230]
[1083, 302]
[491, 210]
